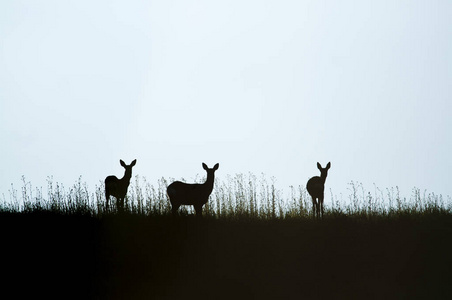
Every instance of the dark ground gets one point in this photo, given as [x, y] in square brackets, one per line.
[133, 257]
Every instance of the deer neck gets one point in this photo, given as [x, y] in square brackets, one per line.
[127, 176]
[209, 181]
[323, 177]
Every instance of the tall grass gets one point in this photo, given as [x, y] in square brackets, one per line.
[238, 196]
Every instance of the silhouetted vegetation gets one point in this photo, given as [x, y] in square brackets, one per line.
[233, 197]
[256, 241]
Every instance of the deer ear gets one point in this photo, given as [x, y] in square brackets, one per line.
[133, 162]
[122, 163]
[319, 166]
[216, 167]
[328, 165]
[204, 166]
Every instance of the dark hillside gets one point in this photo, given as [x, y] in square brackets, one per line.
[133, 256]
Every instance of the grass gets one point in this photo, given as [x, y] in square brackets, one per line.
[239, 196]
[255, 241]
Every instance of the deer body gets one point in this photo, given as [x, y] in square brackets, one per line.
[316, 187]
[196, 194]
[118, 187]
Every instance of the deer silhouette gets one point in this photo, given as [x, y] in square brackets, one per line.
[196, 194]
[118, 187]
[316, 187]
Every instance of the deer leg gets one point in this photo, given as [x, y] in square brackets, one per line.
[198, 210]
[120, 204]
[174, 208]
[313, 206]
[106, 205]
[321, 204]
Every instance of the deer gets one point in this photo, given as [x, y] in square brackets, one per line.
[118, 187]
[196, 194]
[316, 187]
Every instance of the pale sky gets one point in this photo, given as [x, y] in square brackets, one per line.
[257, 86]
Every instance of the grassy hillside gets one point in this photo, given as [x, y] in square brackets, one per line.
[253, 242]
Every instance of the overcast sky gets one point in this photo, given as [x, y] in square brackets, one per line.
[257, 86]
